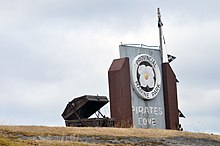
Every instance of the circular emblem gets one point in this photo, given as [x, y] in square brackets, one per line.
[146, 76]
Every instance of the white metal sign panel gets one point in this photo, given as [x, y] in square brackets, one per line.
[146, 86]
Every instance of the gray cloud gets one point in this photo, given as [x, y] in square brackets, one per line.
[52, 51]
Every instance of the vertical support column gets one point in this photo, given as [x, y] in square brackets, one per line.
[170, 97]
[120, 92]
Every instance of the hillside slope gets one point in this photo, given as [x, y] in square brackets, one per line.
[41, 135]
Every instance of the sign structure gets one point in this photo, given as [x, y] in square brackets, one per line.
[147, 99]
[142, 87]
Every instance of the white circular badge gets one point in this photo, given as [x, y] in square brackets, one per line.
[146, 76]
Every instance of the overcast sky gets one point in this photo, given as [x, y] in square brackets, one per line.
[52, 51]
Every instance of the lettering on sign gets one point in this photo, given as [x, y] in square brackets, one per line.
[146, 121]
[147, 115]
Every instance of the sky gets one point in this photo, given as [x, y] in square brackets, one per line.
[52, 51]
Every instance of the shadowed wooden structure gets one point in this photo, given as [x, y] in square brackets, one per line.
[78, 111]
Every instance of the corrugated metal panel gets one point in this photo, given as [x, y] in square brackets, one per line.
[145, 113]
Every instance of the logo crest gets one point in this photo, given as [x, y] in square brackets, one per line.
[146, 76]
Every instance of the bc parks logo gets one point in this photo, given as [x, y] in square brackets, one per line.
[146, 76]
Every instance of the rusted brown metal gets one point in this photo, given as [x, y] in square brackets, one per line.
[120, 92]
[170, 97]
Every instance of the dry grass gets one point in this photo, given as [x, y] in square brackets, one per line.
[97, 131]
[8, 134]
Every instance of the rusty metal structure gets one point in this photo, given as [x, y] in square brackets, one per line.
[170, 97]
[142, 86]
[78, 111]
[120, 92]
[122, 96]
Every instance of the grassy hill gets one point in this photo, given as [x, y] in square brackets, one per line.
[82, 136]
